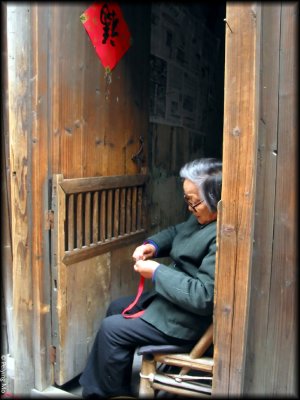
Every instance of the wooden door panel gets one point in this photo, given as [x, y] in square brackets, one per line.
[92, 217]
[81, 295]
[95, 129]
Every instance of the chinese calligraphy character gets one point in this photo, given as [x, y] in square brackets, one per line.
[108, 31]
[109, 22]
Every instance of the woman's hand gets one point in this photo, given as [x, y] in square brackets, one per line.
[144, 252]
[146, 268]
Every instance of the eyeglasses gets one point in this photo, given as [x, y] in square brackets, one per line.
[193, 206]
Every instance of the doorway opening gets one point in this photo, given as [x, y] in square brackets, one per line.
[186, 99]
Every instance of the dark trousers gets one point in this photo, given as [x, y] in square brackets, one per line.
[109, 366]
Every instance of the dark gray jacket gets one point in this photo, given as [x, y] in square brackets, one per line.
[183, 305]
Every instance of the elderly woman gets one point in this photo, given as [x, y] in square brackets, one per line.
[180, 307]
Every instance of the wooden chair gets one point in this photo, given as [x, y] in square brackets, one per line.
[186, 382]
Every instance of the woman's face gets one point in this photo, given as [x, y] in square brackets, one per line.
[196, 205]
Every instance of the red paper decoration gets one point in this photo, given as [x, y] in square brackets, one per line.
[108, 32]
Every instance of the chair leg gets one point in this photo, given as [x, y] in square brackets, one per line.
[147, 369]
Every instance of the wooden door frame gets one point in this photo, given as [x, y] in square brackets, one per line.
[29, 196]
[236, 212]
[31, 308]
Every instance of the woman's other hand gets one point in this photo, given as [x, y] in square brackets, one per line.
[144, 252]
[146, 268]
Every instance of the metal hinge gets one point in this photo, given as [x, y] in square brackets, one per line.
[52, 354]
[49, 220]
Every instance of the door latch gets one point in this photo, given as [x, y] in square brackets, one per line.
[49, 223]
[138, 158]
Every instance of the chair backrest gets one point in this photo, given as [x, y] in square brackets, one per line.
[183, 357]
[201, 346]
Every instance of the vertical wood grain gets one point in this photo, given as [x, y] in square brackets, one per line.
[79, 226]
[19, 119]
[109, 215]
[94, 134]
[257, 374]
[123, 212]
[38, 147]
[238, 191]
[116, 212]
[68, 89]
[6, 244]
[95, 218]
[139, 222]
[282, 321]
[128, 210]
[87, 220]
[103, 216]
[70, 221]
[59, 273]
[134, 208]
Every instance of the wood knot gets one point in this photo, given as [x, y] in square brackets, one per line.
[236, 131]
[227, 230]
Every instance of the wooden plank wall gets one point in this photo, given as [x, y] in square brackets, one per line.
[6, 262]
[271, 348]
[256, 302]
[6, 244]
[236, 210]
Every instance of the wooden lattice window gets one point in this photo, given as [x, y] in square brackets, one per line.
[92, 215]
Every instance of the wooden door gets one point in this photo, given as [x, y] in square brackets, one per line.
[98, 159]
[64, 119]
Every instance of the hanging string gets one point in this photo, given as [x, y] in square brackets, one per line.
[108, 80]
[131, 305]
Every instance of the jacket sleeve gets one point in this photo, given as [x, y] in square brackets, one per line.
[164, 239]
[194, 294]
